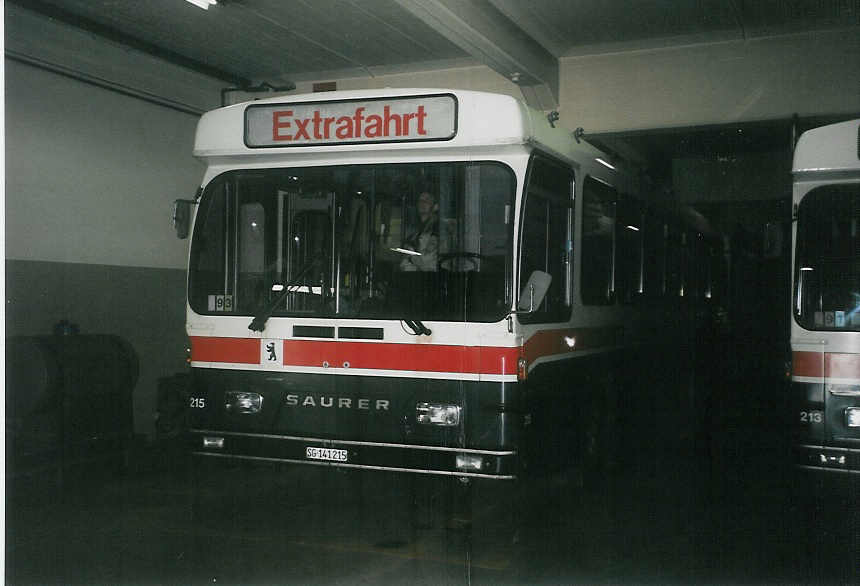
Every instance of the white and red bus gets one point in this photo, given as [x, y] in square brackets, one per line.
[429, 281]
[825, 329]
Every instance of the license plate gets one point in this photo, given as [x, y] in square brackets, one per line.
[325, 454]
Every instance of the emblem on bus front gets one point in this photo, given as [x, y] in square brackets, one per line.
[270, 351]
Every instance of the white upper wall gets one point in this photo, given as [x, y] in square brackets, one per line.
[91, 174]
[814, 74]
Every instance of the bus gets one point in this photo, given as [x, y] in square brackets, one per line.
[825, 324]
[436, 282]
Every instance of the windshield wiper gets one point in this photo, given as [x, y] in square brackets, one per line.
[258, 324]
[418, 328]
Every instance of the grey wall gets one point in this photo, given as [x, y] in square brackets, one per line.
[141, 304]
[91, 174]
[90, 178]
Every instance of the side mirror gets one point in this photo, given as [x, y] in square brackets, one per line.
[534, 292]
[182, 217]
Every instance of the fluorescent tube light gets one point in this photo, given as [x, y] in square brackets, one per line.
[604, 163]
[204, 4]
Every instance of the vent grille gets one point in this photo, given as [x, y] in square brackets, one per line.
[313, 332]
[361, 333]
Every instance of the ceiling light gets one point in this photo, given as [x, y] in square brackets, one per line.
[604, 163]
[204, 4]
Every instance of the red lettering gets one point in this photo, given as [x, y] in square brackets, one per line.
[421, 115]
[317, 120]
[344, 127]
[277, 124]
[357, 125]
[406, 119]
[388, 118]
[302, 132]
[326, 125]
[374, 126]
[358, 118]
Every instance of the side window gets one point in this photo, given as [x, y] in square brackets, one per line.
[212, 285]
[629, 253]
[675, 245]
[598, 243]
[545, 238]
[655, 255]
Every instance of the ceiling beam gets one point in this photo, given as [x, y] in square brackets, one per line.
[536, 23]
[111, 34]
[494, 40]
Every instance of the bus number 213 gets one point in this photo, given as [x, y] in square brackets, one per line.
[811, 416]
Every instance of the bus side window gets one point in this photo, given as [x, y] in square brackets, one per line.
[598, 243]
[654, 277]
[210, 283]
[675, 244]
[546, 236]
[629, 250]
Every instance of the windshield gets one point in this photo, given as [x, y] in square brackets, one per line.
[396, 241]
[828, 259]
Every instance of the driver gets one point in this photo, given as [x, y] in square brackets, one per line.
[424, 241]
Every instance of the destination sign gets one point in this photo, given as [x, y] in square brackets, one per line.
[414, 118]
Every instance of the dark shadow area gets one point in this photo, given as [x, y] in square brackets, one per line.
[713, 500]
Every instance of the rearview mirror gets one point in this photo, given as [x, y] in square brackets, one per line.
[182, 217]
[534, 292]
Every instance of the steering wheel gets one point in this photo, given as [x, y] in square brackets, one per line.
[460, 261]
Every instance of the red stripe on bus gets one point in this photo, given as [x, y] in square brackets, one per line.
[807, 364]
[556, 342]
[829, 364]
[415, 357]
[366, 355]
[842, 365]
[232, 350]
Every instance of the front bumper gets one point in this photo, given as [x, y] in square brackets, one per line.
[418, 459]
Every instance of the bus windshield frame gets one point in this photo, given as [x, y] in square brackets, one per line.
[827, 266]
[420, 241]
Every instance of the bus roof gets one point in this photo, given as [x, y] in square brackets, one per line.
[835, 147]
[477, 119]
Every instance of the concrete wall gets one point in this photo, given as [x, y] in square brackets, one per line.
[90, 178]
[736, 81]
[91, 174]
[718, 83]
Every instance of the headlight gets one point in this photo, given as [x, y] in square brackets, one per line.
[242, 402]
[437, 414]
[852, 417]
[469, 462]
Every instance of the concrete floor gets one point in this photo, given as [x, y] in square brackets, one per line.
[731, 512]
